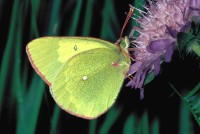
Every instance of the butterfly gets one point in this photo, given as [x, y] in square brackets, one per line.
[84, 74]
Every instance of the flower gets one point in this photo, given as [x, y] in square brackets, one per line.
[157, 38]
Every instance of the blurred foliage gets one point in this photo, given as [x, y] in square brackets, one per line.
[189, 41]
[25, 103]
[193, 100]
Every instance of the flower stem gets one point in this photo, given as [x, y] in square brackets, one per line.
[195, 47]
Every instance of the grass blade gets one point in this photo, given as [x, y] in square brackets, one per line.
[193, 101]
[129, 125]
[76, 16]
[137, 4]
[35, 8]
[92, 127]
[111, 117]
[145, 123]
[109, 16]
[54, 19]
[28, 110]
[54, 120]
[88, 18]
[184, 124]
[155, 126]
[8, 49]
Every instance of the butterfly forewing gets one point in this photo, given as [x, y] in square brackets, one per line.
[48, 54]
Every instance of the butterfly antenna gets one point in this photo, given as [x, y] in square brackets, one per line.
[127, 19]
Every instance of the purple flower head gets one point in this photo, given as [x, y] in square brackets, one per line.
[157, 38]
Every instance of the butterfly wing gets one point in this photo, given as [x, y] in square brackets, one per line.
[88, 84]
[48, 54]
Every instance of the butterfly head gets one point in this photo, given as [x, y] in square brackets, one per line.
[124, 43]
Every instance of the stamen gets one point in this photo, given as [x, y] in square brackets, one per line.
[139, 30]
[151, 16]
[144, 6]
[138, 42]
[152, 3]
[137, 16]
[134, 37]
[137, 9]
[149, 12]
[137, 20]
[134, 49]
[134, 44]
[131, 34]
[144, 16]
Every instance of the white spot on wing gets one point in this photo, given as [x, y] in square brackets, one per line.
[84, 77]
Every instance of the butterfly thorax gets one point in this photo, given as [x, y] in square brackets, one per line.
[124, 60]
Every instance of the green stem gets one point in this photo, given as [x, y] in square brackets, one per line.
[195, 47]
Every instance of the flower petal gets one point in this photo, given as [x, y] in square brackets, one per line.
[171, 31]
[141, 93]
[195, 4]
[134, 67]
[158, 45]
[169, 52]
[185, 27]
[157, 66]
[142, 77]
[131, 83]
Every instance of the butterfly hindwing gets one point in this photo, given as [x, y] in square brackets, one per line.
[88, 83]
